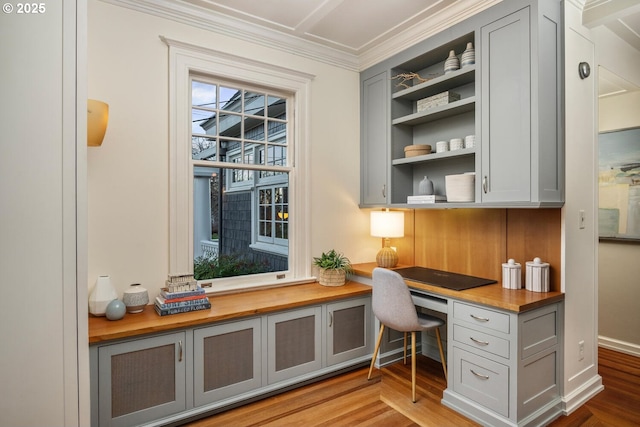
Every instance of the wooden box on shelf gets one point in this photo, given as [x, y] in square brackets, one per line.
[436, 100]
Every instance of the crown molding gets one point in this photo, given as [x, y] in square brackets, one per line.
[233, 27]
[351, 60]
[442, 20]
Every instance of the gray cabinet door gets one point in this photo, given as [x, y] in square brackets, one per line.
[227, 360]
[506, 109]
[142, 380]
[295, 346]
[374, 135]
[349, 331]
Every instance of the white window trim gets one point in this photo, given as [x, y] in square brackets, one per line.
[185, 59]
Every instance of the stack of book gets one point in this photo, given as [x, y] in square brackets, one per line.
[181, 302]
[181, 283]
[433, 198]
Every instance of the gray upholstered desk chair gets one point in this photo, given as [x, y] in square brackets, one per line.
[393, 306]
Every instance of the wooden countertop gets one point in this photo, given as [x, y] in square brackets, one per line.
[516, 300]
[223, 307]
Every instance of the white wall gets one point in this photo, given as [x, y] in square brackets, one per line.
[44, 351]
[128, 174]
[579, 270]
[619, 269]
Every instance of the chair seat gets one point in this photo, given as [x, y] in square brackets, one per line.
[428, 322]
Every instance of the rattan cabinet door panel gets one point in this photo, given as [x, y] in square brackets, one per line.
[349, 330]
[141, 380]
[295, 346]
[227, 360]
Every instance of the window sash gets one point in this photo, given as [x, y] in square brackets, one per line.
[186, 59]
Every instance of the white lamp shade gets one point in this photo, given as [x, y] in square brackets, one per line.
[387, 224]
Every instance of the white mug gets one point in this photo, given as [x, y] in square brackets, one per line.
[442, 146]
[469, 141]
[456, 144]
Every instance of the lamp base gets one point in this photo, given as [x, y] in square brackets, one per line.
[387, 258]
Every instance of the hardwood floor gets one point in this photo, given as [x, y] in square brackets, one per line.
[618, 405]
[385, 400]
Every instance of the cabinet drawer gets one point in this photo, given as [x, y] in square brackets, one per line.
[481, 316]
[482, 380]
[482, 341]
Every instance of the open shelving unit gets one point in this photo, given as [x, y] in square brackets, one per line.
[409, 126]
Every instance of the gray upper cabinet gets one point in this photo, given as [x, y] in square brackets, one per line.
[510, 99]
[522, 150]
[374, 156]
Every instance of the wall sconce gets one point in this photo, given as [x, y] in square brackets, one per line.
[97, 119]
[387, 224]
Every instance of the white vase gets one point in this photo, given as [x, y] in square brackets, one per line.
[103, 293]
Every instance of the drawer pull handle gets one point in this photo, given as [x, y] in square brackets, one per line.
[483, 377]
[478, 341]
[330, 319]
[481, 319]
[180, 351]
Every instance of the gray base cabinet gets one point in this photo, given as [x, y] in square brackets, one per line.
[349, 330]
[295, 346]
[164, 378]
[226, 360]
[505, 367]
[510, 99]
[138, 381]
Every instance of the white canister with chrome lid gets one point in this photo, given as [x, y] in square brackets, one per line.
[537, 276]
[511, 275]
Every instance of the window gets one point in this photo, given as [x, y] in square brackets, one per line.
[248, 127]
[241, 181]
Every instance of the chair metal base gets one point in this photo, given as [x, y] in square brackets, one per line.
[413, 357]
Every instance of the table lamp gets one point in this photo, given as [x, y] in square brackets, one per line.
[387, 224]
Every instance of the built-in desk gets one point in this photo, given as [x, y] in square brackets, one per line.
[504, 350]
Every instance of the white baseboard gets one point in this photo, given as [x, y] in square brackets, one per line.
[578, 397]
[617, 345]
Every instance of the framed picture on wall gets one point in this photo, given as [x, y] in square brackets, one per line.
[619, 185]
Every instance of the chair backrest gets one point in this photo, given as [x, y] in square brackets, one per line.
[392, 303]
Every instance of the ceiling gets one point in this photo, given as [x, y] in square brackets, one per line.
[628, 29]
[622, 17]
[352, 26]
[356, 34]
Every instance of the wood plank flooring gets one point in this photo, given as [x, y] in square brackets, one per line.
[618, 405]
[385, 400]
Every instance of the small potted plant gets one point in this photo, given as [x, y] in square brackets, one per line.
[333, 268]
